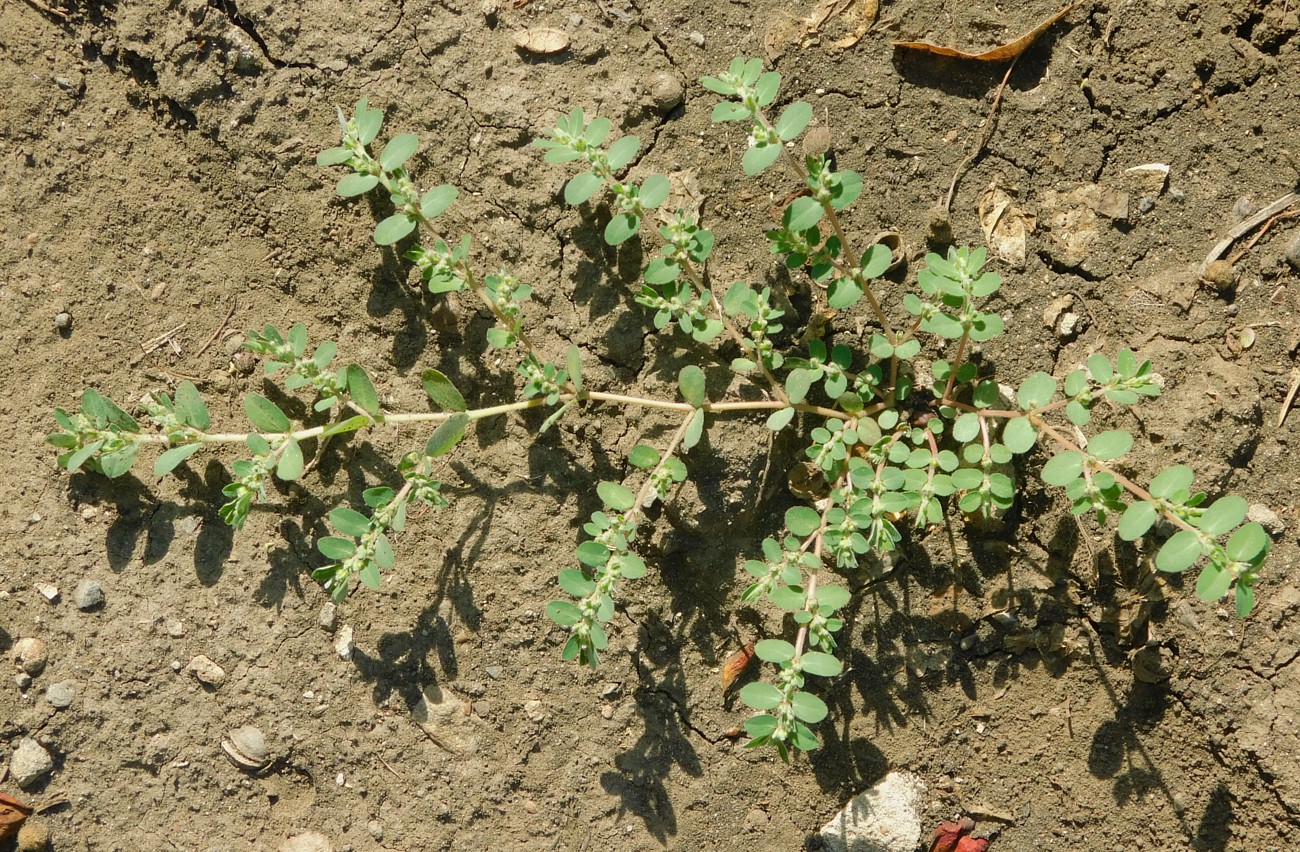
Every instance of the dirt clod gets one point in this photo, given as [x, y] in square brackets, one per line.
[30, 655]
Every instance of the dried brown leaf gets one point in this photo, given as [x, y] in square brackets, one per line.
[541, 40]
[13, 813]
[735, 665]
[1010, 50]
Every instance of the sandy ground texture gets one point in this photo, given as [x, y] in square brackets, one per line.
[160, 189]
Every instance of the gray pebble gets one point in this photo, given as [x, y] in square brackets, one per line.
[1243, 209]
[22, 680]
[88, 595]
[1292, 253]
[328, 618]
[63, 321]
[60, 694]
[696, 38]
[29, 763]
[494, 672]
[1146, 204]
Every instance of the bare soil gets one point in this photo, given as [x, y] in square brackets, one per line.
[158, 174]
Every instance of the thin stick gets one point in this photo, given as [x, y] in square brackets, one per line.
[230, 313]
[1241, 252]
[1249, 225]
[37, 4]
[984, 139]
[1290, 397]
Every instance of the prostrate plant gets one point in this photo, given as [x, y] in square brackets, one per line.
[897, 439]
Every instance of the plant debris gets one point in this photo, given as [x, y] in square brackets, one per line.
[1010, 50]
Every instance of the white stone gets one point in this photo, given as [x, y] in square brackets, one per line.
[343, 643]
[30, 763]
[886, 818]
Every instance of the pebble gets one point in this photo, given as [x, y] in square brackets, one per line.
[495, 672]
[376, 829]
[49, 592]
[481, 708]
[1221, 275]
[1243, 209]
[696, 38]
[62, 321]
[1146, 204]
[22, 680]
[1266, 518]
[206, 671]
[30, 655]
[328, 618]
[88, 595]
[534, 710]
[61, 694]
[665, 92]
[1292, 253]
[246, 748]
[29, 763]
[34, 836]
[344, 644]
[310, 841]
[175, 628]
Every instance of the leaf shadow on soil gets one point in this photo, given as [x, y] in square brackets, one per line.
[975, 79]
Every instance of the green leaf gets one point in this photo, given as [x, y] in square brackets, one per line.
[966, 427]
[621, 228]
[385, 558]
[355, 184]
[831, 598]
[593, 553]
[1099, 368]
[798, 383]
[573, 360]
[849, 189]
[168, 461]
[1036, 391]
[1214, 582]
[1172, 482]
[1019, 435]
[398, 150]
[760, 696]
[1249, 544]
[760, 726]
[1245, 600]
[352, 424]
[662, 271]
[333, 156]
[694, 430]
[654, 191]
[290, 465]
[369, 575]
[338, 549]
[582, 187]
[809, 707]
[729, 111]
[442, 393]
[843, 293]
[362, 390]
[774, 650]
[115, 464]
[1223, 515]
[576, 583]
[876, 260]
[1063, 468]
[1110, 445]
[802, 521]
[713, 84]
[766, 88]
[1136, 520]
[563, 613]
[623, 152]
[297, 339]
[820, 664]
[447, 435]
[780, 418]
[394, 228]
[1180, 552]
[190, 408]
[76, 459]
[265, 415]
[690, 381]
[349, 521]
[802, 214]
[631, 566]
[437, 200]
[616, 496]
[758, 158]
[643, 456]
[793, 120]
